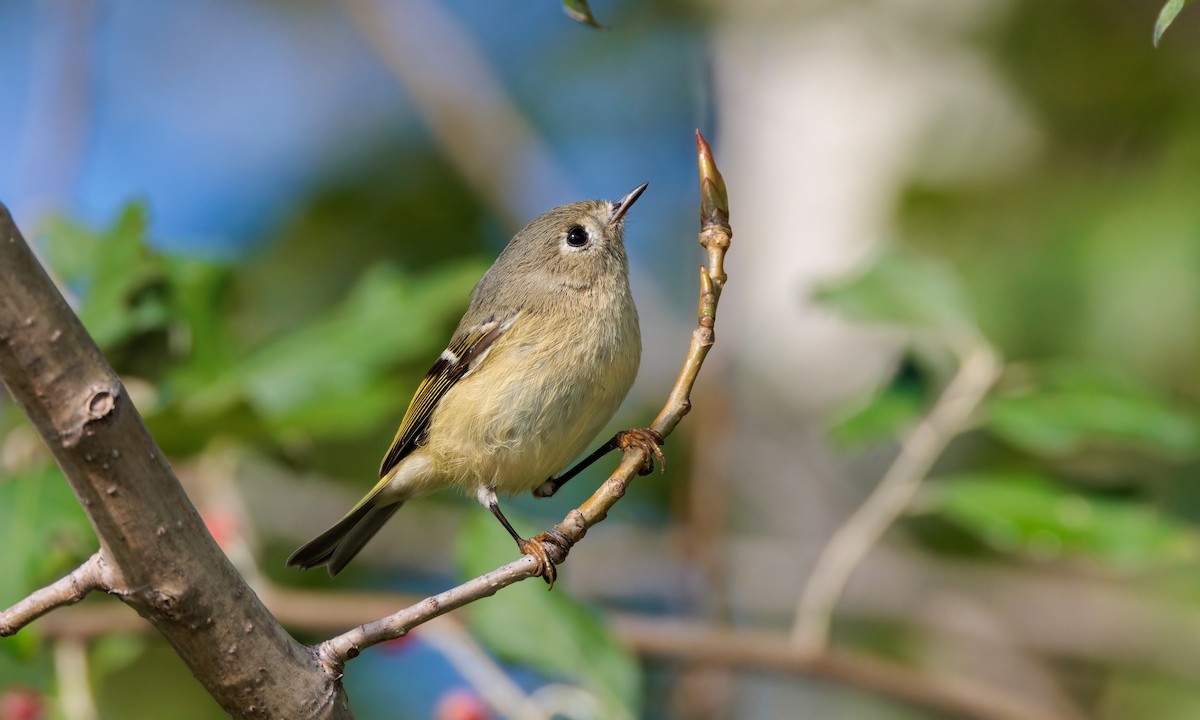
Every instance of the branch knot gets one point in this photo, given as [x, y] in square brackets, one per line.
[99, 406]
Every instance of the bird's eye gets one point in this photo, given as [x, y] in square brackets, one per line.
[577, 236]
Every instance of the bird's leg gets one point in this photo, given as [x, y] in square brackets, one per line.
[649, 440]
[535, 546]
[552, 485]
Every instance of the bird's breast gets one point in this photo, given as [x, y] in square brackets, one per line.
[537, 402]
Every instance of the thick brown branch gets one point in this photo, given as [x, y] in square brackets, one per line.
[91, 575]
[151, 536]
[715, 235]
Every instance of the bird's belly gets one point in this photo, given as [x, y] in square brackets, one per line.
[526, 426]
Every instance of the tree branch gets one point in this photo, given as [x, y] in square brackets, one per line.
[667, 638]
[163, 561]
[977, 371]
[91, 575]
[775, 652]
[715, 236]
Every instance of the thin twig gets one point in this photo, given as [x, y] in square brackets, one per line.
[1111, 621]
[561, 700]
[772, 651]
[490, 680]
[93, 574]
[715, 235]
[977, 371]
[475, 123]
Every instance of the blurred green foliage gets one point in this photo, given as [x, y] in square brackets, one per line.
[44, 527]
[906, 289]
[1069, 410]
[120, 279]
[1080, 269]
[899, 404]
[324, 379]
[1036, 491]
[124, 666]
[1034, 516]
[1084, 454]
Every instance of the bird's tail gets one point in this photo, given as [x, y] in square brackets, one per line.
[338, 545]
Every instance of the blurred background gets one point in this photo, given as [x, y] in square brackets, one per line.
[969, 230]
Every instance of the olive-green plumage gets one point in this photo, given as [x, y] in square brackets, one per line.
[541, 360]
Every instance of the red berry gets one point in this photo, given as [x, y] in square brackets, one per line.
[21, 704]
[396, 645]
[460, 704]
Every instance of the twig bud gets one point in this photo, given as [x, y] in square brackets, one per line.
[714, 199]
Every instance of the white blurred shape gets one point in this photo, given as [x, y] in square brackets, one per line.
[825, 119]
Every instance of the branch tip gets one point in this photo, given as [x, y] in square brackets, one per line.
[714, 198]
[706, 282]
[707, 314]
[92, 575]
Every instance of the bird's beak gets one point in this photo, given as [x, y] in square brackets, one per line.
[622, 206]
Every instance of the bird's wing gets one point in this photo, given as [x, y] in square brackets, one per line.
[466, 351]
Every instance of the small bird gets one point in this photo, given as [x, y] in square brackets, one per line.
[544, 355]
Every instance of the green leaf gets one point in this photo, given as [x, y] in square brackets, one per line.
[579, 11]
[22, 665]
[1138, 692]
[198, 325]
[42, 528]
[115, 652]
[904, 288]
[111, 272]
[548, 631]
[313, 377]
[1167, 16]
[1027, 514]
[1072, 409]
[143, 684]
[892, 408]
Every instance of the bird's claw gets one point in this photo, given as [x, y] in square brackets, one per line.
[536, 548]
[650, 442]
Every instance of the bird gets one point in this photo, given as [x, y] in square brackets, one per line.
[546, 352]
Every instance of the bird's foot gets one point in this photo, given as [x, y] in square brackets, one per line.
[537, 547]
[650, 442]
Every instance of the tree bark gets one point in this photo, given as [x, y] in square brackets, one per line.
[162, 559]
